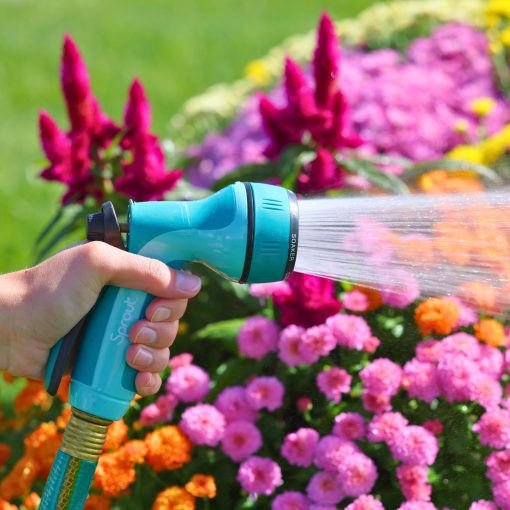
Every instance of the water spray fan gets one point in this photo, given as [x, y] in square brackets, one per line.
[246, 232]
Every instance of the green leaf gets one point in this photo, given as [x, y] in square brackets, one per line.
[47, 229]
[372, 174]
[224, 332]
[232, 372]
[255, 172]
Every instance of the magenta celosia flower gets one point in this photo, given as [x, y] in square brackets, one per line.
[290, 500]
[321, 173]
[203, 424]
[420, 380]
[234, 406]
[189, 383]
[501, 493]
[494, 428]
[417, 505]
[358, 474]
[298, 447]
[331, 451]
[181, 360]
[317, 341]
[350, 331]
[415, 445]
[54, 141]
[241, 439]
[485, 390]
[382, 376]
[455, 374]
[414, 482]
[376, 402]
[333, 382]
[265, 392]
[259, 475]
[482, 504]
[289, 346]
[349, 426]
[461, 343]
[402, 291]
[137, 114]
[325, 488]
[498, 464]
[428, 351]
[257, 337]
[386, 427]
[355, 301]
[365, 502]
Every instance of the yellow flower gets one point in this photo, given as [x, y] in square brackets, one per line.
[495, 146]
[505, 37]
[482, 106]
[498, 7]
[256, 71]
[468, 153]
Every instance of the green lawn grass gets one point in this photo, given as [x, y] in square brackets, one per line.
[177, 47]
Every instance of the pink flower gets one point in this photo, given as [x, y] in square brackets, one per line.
[434, 426]
[428, 351]
[501, 493]
[349, 426]
[483, 504]
[317, 341]
[499, 466]
[494, 428]
[415, 445]
[298, 447]
[266, 290]
[189, 384]
[331, 451]
[290, 500]
[323, 507]
[166, 405]
[417, 505]
[241, 439]
[234, 406]
[371, 344]
[376, 402]
[321, 173]
[350, 331]
[468, 315]
[485, 390]
[150, 415]
[402, 291]
[333, 382]
[355, 301]
[137, 114]
[324, 488]
[420, 381]
[365, 502]
[257, 337]
[203, 424]
[259, 475]
[54, 141]
[491, 361]
[414, 482]
[181, 360]
[455, 374]
[386, 427]
[265, 393]
[358, 474]
[304, 404]
[289, 346]
[461, 343]
[382, 376]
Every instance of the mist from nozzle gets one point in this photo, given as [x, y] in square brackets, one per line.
[405, 245]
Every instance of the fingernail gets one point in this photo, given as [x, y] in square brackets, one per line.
[143, 358]
[187, 282]
[145, 336]
[161, 314]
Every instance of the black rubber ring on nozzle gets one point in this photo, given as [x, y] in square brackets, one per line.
[293, 235]
[250, 237]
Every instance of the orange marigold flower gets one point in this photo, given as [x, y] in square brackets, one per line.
[5, 505]
[436, 315]
[97, 502]
[64, 417]
[168, 448]
[5, 453]
[32, 501]
[133, 451]
[491, 332]
[113, 474]
[19, 481]
[33, 394]
[8, 377]
[174, 498]
[442, 181]
[117, 434]
[202, 486]
[63, 389]
[42, 444]
[481, 294]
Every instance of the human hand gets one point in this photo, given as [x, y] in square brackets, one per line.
[41, 304]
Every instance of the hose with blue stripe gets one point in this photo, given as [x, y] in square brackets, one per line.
[71, 475]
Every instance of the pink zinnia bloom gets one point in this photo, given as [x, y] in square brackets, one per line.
[420, 381]
[265, 393]
[417, 505]
[429, 350]
[298, 447]
[350, 331]
[355, 301]
[415, 445]
[461, 343]
[486, 391]
[349, 426]
[501, 493]
[386, 427]
[382, 376]
[499, 466]
[234, 406]
[483, 504]
[259, 475]
[241, 439]
[414, 482]
[468, 315]
[331, 451]
[491, 361]
[376, 402]
[257, 337]
[494, 428]
[325, 488]
[333, 382]
[455, 374]
[289, 345]
[317, 341]
[203, 424]
[181, 360]
[358, 474]
[371, 344]
[151, 415]
[290, 500]
[189, 384]
[365, 502]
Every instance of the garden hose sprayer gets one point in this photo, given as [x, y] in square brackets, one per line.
[247, 232]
